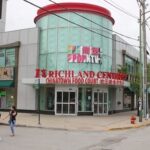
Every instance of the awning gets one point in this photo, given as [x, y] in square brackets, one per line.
[6, 83]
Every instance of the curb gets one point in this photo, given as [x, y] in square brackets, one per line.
[63, 129]
[131, 127]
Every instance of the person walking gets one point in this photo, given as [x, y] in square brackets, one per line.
[12, 119]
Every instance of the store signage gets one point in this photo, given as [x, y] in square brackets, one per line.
[82, 77]
[7, 73]
[84, 54]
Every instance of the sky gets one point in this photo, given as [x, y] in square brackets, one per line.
[21, 15]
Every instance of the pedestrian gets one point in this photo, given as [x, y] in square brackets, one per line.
[12, 119]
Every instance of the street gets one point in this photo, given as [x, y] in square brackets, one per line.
[46, 139]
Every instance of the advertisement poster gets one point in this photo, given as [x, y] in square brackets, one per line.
[6, 73]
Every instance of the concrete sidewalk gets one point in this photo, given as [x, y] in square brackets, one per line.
[117, 121]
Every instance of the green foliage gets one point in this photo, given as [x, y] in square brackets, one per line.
[122, 69]
[134, 78]
[148, 72]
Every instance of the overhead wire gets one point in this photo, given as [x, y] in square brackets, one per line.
[59, 4]
[77, 24]
[121, 10]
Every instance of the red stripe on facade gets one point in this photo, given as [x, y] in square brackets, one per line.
[76, 7]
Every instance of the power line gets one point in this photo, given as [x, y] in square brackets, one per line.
[58, 4]
[78, 24]
[125, 12]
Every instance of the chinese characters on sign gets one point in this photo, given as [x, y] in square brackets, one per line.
[84, 54]
[82, 77]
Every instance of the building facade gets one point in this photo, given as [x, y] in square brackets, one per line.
[67, 63]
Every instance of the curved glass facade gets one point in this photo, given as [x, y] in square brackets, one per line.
[57, 34]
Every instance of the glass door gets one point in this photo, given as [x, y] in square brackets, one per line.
[65, 102]
[100, 103]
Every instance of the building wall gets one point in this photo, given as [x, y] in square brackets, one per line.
[28, 53]
[117, 51]
[3, 15]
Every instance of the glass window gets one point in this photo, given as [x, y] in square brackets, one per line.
[43, 59]
[74, 18]
[43, 42]
[51, 61]
[53, 21]
[50, 98]
[74, 36]
[62, 22]
[63, 37]
[52, 40]
[86, 37]
[7, 57]
[2, 58]
[10, 57]
[85, 22]
[62, 63]
[85, 99]
[43, 22]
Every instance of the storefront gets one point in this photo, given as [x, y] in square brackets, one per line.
[8, 75]
[75, 63]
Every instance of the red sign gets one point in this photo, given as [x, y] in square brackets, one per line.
[82, 77]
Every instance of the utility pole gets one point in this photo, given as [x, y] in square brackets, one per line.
[143, 57]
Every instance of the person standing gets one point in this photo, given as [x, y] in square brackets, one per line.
[12, 119]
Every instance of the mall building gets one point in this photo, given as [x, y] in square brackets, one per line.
[68, 63]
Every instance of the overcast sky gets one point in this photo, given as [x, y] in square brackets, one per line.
[21, 15]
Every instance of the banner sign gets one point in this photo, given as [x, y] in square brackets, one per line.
[84, 54]
[7, 73]
[82, 77]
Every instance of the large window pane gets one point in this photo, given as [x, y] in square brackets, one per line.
[43, 42]
[10, 57]
[2, 58]
[52, 40]
[50, 98]
[59, 97]
[65, 97]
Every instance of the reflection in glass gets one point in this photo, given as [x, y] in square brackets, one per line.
[100, 108]
[105, 97]
[88, 99]
[95, 97]
[59, 96]
[72, 109]
[50, 98]
[65, 108]
[95, 108]
[72, 96]
[100, 97]
[65, 97]
[105, 108]
[59, 108]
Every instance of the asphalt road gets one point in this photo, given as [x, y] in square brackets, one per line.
[44, 139]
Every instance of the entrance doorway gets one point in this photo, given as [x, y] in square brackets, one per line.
[65, 102]
[100, 103]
